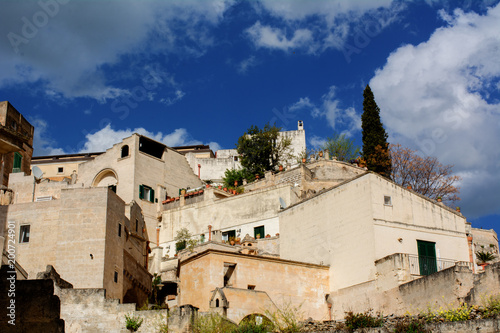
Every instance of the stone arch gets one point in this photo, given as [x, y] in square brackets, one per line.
[105, 178]
[257, 318]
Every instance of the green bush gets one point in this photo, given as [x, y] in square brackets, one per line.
[490, 306]
[132, 322]
[360, 320]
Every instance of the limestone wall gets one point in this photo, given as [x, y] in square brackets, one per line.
[323, 229]
[240, 213]
[200, 275]
[79, 235]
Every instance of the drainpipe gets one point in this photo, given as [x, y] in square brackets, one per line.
[199, 170]
[471, 256]
[157, 236]
[209, 233]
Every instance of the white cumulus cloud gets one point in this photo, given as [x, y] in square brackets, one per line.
[442, 98]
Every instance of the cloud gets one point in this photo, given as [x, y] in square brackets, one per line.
[246, 64]
[442, 98]
[106, 137]
[43, 144]
[330, 23]
[329, 108]
[274, 38]
[44, 42]
[178, 95]
[316, 142]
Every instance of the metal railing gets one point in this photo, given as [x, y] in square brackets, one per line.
[422, 265]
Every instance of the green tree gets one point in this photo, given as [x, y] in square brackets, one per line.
[262, 150]
[232, 175]
[375, 146]
[341, 147]
[184, 239]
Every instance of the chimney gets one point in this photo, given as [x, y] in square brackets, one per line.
[209, 233]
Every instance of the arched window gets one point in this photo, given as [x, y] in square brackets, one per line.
[125, 151]
[217, 303]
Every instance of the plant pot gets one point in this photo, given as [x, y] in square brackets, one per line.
[303, 160]
[208, 186]
[225, 189]
[281, 168]
[220, 187]
[321, 154]
[232, 242]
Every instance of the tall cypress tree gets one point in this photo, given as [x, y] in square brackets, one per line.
[375, 146]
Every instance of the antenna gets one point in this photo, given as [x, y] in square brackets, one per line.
[282, 203]
[37, 172]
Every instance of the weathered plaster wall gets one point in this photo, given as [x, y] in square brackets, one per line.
[199, 276]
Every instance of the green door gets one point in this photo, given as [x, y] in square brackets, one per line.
[427, 257]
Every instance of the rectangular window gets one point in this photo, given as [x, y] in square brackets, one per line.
[387, 200]
[259, 232]
[146, 193]
[251, 287]
[227, 235]
[116, 277]
[18, 160]
[119, 230]
[24, 234]
[136, 225]
[60, 170]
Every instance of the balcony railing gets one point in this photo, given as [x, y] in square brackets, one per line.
[422, 265]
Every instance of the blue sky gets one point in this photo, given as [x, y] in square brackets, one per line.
[88, 73]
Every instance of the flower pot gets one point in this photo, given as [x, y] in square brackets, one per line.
[225, 189]
[321, 154]
[220, 187]
[232, 242]
[208, 186]
[281, 168]
[303, 160]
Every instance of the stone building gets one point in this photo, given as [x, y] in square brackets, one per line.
[91, 236]
[16, 142]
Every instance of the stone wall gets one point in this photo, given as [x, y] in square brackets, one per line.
[88, 310]
[396, 291]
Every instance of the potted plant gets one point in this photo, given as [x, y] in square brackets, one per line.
[281, 168]
[458, 209]
[232, 240]
[439, 199]
[484, 257]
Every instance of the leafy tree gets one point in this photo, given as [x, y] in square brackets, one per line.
[426, 175]
[375, 146]
[341, 147]
[232, 175]
[262, 150]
